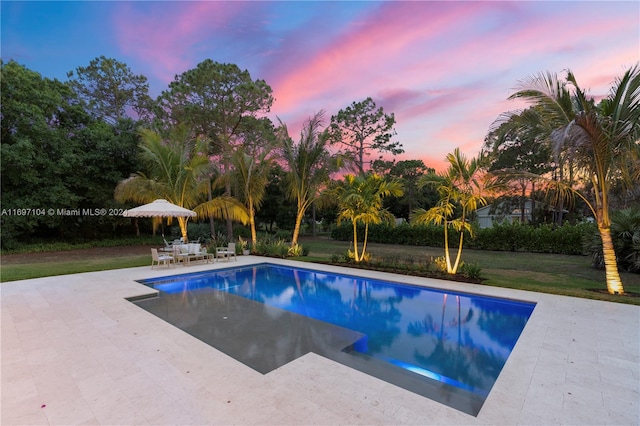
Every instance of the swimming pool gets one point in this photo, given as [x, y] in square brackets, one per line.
[446, 346]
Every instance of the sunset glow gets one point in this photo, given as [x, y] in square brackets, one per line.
[444, 68]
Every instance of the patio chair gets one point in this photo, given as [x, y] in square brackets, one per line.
[158, 259]
[167, 244]
[227, 252]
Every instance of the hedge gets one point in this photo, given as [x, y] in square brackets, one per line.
[566, 239]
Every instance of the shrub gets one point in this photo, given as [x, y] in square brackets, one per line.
[440, 264]
[565, 239]
[471, 270]
[625, 233]
[295, 250]
[283, 234]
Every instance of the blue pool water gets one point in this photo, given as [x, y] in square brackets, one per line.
[458, 339]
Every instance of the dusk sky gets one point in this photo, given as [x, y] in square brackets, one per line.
[444, 68]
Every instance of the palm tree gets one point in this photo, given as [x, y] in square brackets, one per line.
[176, 170]
[602, 140]
[460, 185]
[251, 175]
[360, 201]
[309, 163]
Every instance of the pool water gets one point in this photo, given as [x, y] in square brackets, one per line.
[443, 345]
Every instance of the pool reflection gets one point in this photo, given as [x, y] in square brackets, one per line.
[276, 314]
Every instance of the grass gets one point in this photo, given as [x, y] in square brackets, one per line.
[46, 269]
[542, 272]
[547, 273]
[65, 246]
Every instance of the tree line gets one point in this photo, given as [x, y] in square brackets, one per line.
[68, 146]
[205, 143]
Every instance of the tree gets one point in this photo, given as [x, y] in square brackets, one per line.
[309, 164]
[601, 139]
[108, 88]
[56, 156]
[38, 158]
[176, 171]
[360, 201]
[460, 185]
[514, 145]
[361, 128]
[252, 162]
[275, 203]
[214, 99]
[408, 172]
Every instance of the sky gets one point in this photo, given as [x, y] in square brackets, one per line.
[445, 69]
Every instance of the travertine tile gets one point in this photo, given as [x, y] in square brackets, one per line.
[74, 345]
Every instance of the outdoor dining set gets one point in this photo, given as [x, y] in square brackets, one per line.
[180, 253]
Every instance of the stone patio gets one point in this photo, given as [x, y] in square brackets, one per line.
[74, 351]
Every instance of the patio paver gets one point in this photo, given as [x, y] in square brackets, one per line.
[74, 351]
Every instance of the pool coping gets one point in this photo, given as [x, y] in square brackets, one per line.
[75, 351]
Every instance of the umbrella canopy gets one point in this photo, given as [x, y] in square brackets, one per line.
[159, 208]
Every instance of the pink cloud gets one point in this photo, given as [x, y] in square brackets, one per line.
[165, 39]
[444, 68]
[366, 52]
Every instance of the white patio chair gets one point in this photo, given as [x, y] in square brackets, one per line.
[227, 252]
[158, 259]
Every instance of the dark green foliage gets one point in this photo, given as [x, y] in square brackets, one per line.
[56, 156]
[283, 234]
[415, 235]
[424, 267]
[471, 270]
[195, 231]
[276, 208]
[566, 239]
[625, 231]
[108, 87]
[213, 98]
[272, 247]
[408, 172]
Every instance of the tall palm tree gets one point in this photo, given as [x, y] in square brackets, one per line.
[309, 165]
[462, 185]
[602, 139]
[251, 174]
[360, 201]
[176, 170]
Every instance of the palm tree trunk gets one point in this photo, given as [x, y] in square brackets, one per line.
[364, 244]
[458, 256]
[182, 221]
[356, 258]
[252, 224]
[446, 247]
[296, 228]
[614, 283]
[298, 224]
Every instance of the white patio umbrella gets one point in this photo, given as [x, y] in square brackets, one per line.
[162, 208]
[159, 208]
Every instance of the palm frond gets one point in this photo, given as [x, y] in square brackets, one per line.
[223, 207]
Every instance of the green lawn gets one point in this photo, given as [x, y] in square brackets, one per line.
[548, 273]
[542, 272]
[46, 269]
